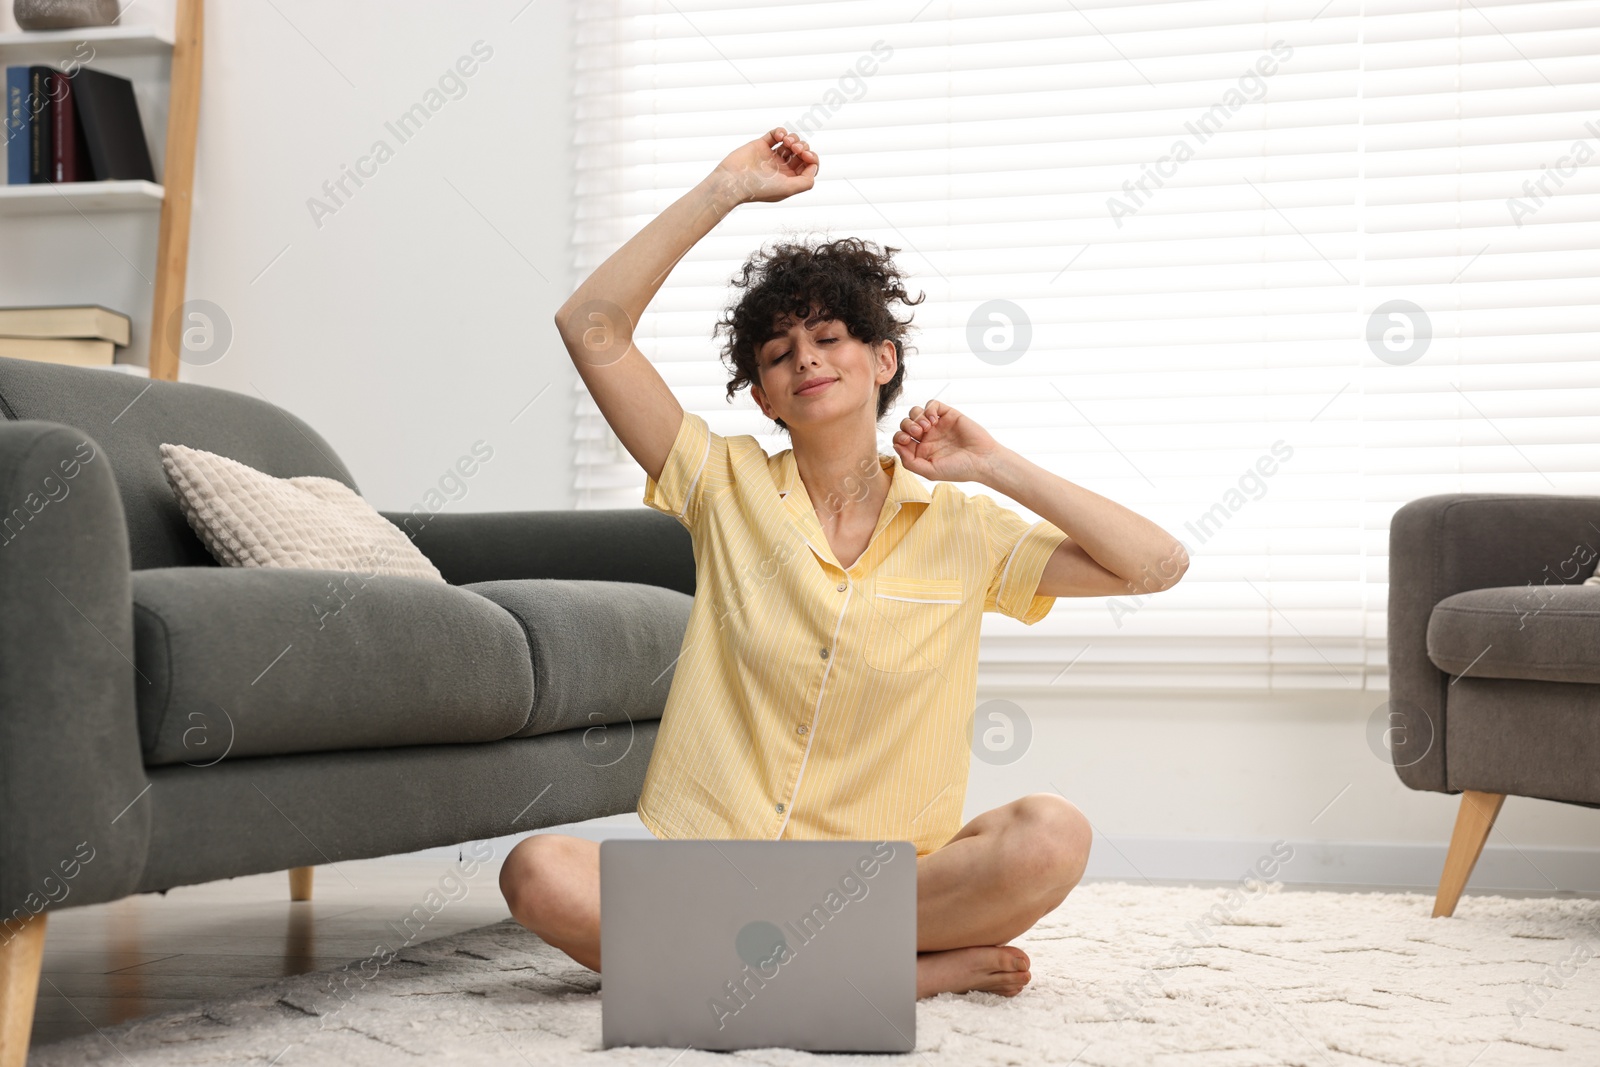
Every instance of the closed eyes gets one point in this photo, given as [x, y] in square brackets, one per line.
[786, 355]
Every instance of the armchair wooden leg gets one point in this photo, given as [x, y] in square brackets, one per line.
[20, 959]
[300, 883]
[1474, 820]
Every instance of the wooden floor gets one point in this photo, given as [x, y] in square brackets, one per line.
[108, 963]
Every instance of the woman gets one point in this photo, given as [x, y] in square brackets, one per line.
[828, 674]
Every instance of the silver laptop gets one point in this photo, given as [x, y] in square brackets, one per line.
[735, 944]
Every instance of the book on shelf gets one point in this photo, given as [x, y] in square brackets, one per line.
[40, 125]
[69, 150]
[77, 126]
[78, 351]
[18, 140]
[111, 126]
[84, 335]
[89, 321]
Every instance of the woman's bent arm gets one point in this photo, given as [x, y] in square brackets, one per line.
[597, 321]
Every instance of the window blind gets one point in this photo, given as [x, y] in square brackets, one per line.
[1260, 272]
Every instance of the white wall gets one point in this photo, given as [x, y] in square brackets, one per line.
[417, 319]
[1198, 785]
[1231, 771]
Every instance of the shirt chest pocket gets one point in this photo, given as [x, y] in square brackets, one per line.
[912, 623]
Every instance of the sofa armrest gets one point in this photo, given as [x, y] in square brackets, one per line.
[74, 823]
[1451, 542]
[613, 545]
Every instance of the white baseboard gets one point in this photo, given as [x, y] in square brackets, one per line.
[1334, 863]
[1353, 863]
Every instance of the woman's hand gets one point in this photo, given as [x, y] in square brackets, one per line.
[937, 441]
[773, 167]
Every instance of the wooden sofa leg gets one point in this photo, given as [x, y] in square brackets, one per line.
[300, 883]
[20, 959]
[1474, 820]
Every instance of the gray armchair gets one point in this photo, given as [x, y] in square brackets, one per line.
[1494, 657]
[166, 721]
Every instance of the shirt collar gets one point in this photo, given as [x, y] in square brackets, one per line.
[904, 487]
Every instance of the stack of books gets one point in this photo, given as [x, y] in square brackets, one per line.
[75, 126]
[82, 335]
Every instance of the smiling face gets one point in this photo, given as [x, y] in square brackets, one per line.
[816, 372]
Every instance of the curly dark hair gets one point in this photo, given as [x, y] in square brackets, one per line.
[848, 280]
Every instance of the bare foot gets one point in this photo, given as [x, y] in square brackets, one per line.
[998, 969]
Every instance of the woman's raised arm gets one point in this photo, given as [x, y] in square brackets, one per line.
[597, 321]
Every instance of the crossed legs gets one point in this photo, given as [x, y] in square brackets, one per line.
[1001, 873]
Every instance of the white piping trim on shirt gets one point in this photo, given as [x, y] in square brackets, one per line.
[916, 599]
[788, 809]
[688, 493]
[1006, 573]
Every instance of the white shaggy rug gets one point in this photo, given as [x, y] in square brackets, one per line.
[1122, 975]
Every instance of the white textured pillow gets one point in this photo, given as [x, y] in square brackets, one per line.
[250, 519]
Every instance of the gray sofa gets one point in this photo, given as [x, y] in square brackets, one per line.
[166, 721]
[1494, 657]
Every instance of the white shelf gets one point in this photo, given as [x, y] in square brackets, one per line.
[52, 198]
[105, 40]
[40, 223]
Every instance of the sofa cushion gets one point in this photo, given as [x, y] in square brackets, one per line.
[602, 652]
[1546, 633]
[250, 661]
[248, 518]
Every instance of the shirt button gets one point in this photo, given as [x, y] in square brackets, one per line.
[779, 807]
[802, 729]
[824, 653]
[840, 587]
